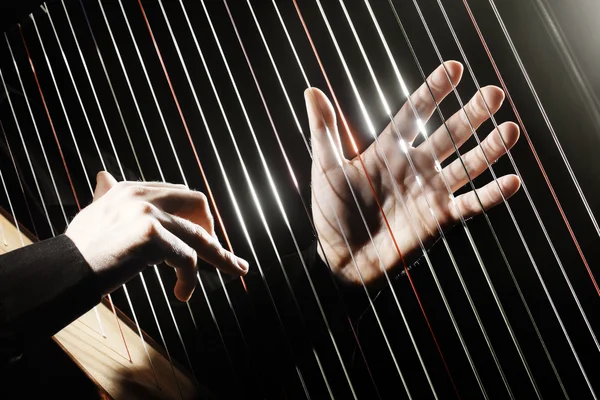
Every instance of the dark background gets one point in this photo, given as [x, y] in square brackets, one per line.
[567, 87]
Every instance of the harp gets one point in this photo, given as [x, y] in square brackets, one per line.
[206, 93]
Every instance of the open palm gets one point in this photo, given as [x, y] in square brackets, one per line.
[334, 204]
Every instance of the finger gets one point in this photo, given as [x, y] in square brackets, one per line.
[423, 102]
[183, 258]
[474, 160]
[327, 151]
[160, 185]
[460, 125]
[104, 182]
[206, 246]
[489, 195]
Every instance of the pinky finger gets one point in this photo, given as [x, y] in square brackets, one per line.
[470, 204]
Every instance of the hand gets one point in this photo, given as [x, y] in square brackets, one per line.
[329, 187]
[131, 225]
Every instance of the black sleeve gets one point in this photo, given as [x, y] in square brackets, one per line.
[43, 288]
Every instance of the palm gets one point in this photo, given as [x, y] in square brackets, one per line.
[409, 216]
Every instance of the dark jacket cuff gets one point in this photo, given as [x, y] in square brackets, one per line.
[43, 288]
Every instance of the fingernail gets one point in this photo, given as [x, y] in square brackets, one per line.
[243, 264]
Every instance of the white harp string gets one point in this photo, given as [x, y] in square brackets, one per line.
[52, 178]
[534, 208]
[155, 159]
[508, 206]
[437, 163]
[278, 199]
[306, 209]
[545, 116]
[14, 163]
[60, 98]
[526, 191]
[13, 213]
[235, 202]
[484, 213]
[121, 167]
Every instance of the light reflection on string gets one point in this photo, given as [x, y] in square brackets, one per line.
[418, 180]
[438, 168]
[350, 136]
[137, 325]
[550, 128]
[534, 208]
[14, 163]
[504, 200]
[306, 208]
[54, 183]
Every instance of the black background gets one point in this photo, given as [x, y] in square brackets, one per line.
[571, 110]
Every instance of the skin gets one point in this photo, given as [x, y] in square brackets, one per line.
[131, 225]
[330, 190]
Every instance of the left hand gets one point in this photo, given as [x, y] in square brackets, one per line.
[330, 190]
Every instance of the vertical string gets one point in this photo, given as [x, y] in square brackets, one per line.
[514, 219]
[437, 163]
[526, 191]
[347, 129]
[209, 191]
[14, 163]
[305, 206]
[405, 90]
[277, 197]
[85, 174]
[50, 170]
[12, 210]
[550, 128]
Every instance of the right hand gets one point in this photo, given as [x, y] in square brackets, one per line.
[131, 225]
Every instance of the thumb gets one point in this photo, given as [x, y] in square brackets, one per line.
[327, 151]
[104, 182]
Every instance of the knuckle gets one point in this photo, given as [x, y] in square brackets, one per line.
[138, 191]
[146, 208]
[151, 228]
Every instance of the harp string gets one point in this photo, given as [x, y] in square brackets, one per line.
[438, 168]
[12, 210]
[534, 152]
[157, 272]
[548, 124]
[247, 177]
[526, 191]
[368, 294]
[210, 194]
[142, 119]
[161, 173]
[347, 129]
[541, 224]
[12, 159]
[492, 229]
[52, 177]
[279, 203]
[392, 61]
[305, 206]
[82, 165]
